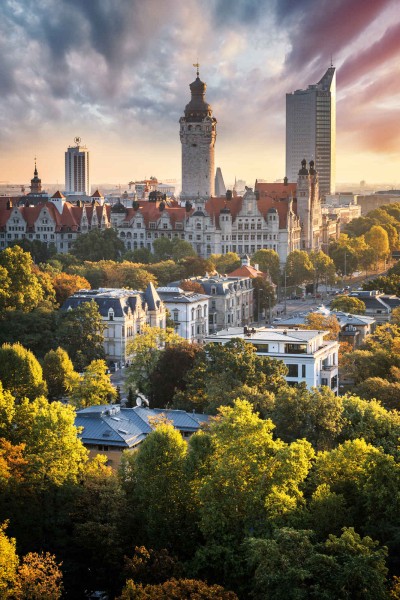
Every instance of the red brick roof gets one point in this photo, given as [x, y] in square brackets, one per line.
[247, 271]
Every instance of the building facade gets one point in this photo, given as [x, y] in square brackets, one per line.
[198, 132]
[189, 312]
[230, 300]
[309, 358]
[77, 174]
[311, 130]
[124, 313]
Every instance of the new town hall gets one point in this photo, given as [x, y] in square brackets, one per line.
[278, 216]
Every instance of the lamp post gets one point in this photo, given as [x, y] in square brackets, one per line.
[285, 305]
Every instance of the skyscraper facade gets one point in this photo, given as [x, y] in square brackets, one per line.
[77, 169]
[198, 133]
[311, 130]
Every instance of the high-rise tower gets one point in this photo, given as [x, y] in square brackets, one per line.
[77, 169]
[311, 130]
[198, 132]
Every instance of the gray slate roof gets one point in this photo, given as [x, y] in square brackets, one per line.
[112, 425]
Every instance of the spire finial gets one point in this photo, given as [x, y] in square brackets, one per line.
[331, 60]
[197, 65]
[35, 168]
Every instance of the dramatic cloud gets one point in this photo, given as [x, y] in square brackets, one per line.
[116, 72]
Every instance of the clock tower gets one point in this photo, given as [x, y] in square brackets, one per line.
[198, 132]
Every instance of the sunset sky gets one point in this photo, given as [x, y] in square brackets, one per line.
[116, 73]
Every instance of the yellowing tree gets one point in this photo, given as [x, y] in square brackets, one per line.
[94, 387]
[377, 238]
[321, 322]
[24, 291]
[39, 578]
[8, 563]
[21, 372]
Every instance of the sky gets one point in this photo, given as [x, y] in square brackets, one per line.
[117, 72]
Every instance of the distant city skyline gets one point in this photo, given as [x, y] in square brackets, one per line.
[117, 75]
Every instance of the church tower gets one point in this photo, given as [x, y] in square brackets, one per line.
[36, 182]
[198, 132]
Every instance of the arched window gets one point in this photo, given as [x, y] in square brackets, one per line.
[192, 314]
[198, 225]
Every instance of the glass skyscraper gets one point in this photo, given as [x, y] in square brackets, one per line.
[311, 130]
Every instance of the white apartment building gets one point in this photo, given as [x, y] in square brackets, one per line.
[308, 357]
[311, 130]
[124, 312]
[188, 310]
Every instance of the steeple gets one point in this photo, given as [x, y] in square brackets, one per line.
[36, 182]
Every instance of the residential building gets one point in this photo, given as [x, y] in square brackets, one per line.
[124, 313]
[377, 305]
[77, 174]
[309, 358]
[353, 328]
[111, 429]
[188, 310]
[230, 300]
[198, 132]
[370, 202]
[311, 130]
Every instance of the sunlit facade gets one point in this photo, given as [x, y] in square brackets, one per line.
[311, 130]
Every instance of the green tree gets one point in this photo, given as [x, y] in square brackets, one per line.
[98, 244]
[146, 349]
[140, 255]
[20, 372]
[35, 330]
[268, 262]
[8, 563]
[52, 448]
[40, 251]
[253, 479]
[23, 289]
[369, 420]
[290, 566]
[161, 495]
[83, 323]
[388, 392]
[166, 271]
[59, 373]
[344, 257]
[264, 296]
[221, 373]
[170, 371]
[195, 266]
[181, 249]
[348, 304]
[225, 263]
[324, 268]
[299, 268]
[93, 387]
[312, 414]
[98, 515]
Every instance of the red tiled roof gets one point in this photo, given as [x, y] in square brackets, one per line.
[276, 190]
[247, 271]
[97, 195]
[58, 194]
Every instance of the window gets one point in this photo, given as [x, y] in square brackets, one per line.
[303, 370]
[293, 370]
[176, 315]
[261, 347]
[295, 348]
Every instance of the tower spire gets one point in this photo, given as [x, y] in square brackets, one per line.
[197, 65]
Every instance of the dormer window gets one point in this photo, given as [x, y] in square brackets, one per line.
[111, 315]
[213, 290]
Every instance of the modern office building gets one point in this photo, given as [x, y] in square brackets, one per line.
[311, 130]
[198, 131]
[77, 173]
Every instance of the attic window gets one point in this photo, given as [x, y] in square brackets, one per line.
[111, 315]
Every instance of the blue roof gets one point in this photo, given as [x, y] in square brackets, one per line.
[127, 427]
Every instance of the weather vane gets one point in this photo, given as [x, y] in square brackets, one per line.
[197, 68]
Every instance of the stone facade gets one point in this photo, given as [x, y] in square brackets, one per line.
[124, 313]
[189, 312]
[198, 133]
